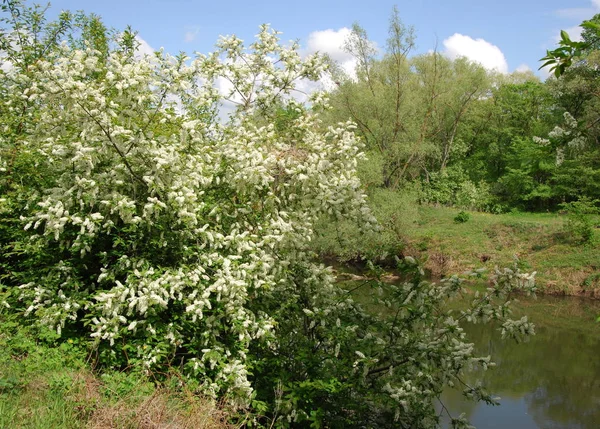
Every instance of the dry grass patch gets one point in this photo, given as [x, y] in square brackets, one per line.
[574, 282]
[161, 410]
[100, 408]
[440, 264]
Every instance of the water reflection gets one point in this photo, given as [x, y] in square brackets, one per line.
[553, 381]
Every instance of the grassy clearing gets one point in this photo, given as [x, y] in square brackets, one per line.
[42, 386]
[488, 240]
[445, 246]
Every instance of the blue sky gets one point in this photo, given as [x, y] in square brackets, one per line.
[502, 34]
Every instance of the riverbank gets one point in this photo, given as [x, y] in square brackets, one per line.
[539, 241]
[550, 380]
[484, 240]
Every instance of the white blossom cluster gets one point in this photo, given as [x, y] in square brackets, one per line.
[567, 138]
[191, 218]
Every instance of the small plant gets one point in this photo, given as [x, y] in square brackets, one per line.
[424, 243]
[579, 225]
[9, 383]
[462, 217]
[591, 281]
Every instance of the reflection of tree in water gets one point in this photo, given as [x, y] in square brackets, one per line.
[557, 372]
[567, 402]
[553, 412]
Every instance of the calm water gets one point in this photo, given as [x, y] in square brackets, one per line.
[552, 381]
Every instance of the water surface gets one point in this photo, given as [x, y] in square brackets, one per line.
[552, 381]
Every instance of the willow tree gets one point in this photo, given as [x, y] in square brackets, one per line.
[408, 110]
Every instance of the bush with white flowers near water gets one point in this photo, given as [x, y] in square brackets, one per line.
[170, 237]
[184, 218]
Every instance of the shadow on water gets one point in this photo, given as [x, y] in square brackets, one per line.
[551, 381]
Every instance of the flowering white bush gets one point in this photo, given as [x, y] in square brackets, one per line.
[181, 219]
[566, 139]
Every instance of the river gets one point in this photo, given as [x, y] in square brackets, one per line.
[551, 381]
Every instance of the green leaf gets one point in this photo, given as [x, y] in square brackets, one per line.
[565, 36]
[547, 63]
[591, 25]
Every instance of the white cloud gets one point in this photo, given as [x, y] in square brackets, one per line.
[574, 33]
[545, 72]
[523, 68]
[226, 89]
[575, 13]
[580, 13]
[191, 34]
[144, 48]
[331, 42]
[477, 50]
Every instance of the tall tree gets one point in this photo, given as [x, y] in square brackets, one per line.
[408, 110]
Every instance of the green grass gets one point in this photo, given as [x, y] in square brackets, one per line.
[488, 240]
[44, 385]
[538, 240]
[35, 381]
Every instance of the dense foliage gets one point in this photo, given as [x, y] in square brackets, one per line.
[138, 220]
[470, 137]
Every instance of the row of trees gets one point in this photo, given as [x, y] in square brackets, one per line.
[139, 225]
[470, 136]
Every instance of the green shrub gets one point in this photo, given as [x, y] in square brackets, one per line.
[581, 219]
[452, 187]
[370, 170]
[156, 227]
[462, 217]
[396, 211]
